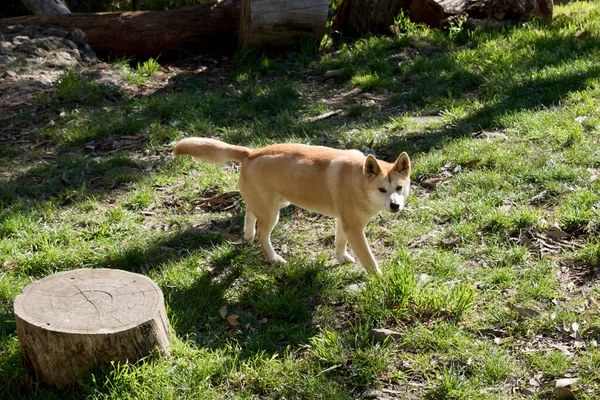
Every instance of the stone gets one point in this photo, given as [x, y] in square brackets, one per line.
[382, 334]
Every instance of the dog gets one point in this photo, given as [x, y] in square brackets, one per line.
[344, 184]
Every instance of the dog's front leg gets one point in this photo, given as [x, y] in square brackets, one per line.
[341, 253]
[358, 242]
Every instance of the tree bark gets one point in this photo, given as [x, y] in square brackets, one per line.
[44, 8]
[377, 16]
[72, 321]
[145, 33]
[497, 13]
[281, 22]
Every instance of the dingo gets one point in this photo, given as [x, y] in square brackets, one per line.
[344, 184]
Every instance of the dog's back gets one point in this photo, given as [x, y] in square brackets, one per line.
[312, 177]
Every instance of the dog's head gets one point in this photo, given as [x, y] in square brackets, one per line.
[388, 184]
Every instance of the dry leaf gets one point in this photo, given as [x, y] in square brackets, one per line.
[231, 238]
[451, 241]
[232, 319]
[223, 311]
[575, 326]
[499, 341]
[566, 382]
[526, 312]
[433, 182]
[595, 302]
[525, 241]
[555, 233]
[472, 163]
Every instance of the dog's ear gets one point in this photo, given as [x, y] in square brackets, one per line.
[371, 166]
[402, 164]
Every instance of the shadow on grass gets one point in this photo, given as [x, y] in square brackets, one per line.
[275, 304]
[95, 156]
[273, 309]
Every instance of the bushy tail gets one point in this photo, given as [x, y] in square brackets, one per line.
[210, 150]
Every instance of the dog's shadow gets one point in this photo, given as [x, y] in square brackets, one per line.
[240, 298]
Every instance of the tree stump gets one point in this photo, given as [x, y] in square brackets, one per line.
[72, 321]
[281, 22]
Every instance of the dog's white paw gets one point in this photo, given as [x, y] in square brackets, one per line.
[277, 259]
[345, 258]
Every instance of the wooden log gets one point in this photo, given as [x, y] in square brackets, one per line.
[277, 23]
[72, 321]
[377, 16]
[497, 13]
[150, 33]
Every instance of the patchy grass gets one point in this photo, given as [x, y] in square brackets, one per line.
[491, 276]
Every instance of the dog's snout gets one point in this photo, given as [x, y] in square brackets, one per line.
[394, 206]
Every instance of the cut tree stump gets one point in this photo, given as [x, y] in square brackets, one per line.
[277, 23]
[72, 321]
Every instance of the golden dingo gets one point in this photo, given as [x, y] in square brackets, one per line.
[344, 184]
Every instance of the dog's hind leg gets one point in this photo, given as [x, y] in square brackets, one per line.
[341, 253]
[249, 225]
[267, 219]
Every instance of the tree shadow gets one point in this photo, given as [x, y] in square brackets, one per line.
[275, 304]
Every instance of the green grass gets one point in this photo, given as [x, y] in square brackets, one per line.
[507, 120]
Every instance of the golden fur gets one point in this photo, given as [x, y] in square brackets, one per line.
[344, 184]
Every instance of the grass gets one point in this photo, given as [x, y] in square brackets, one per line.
[483, 295]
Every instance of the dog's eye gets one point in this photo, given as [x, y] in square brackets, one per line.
[382, 190]
[398, 188]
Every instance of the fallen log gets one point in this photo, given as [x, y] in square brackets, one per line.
[377, 16]
[150, 33]
[496, 13]
[276, 23]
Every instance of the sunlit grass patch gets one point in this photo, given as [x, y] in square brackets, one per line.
[503, 131]
[74, 88]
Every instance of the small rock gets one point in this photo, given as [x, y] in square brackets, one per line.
[334, 73]
[77, 36]
[381, 334]
[69, 43]
[356, 288]
[57, 32]
[374, 394]
[9, 74]
[5, 60]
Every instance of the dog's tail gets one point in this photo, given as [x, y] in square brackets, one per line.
[210, 150]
